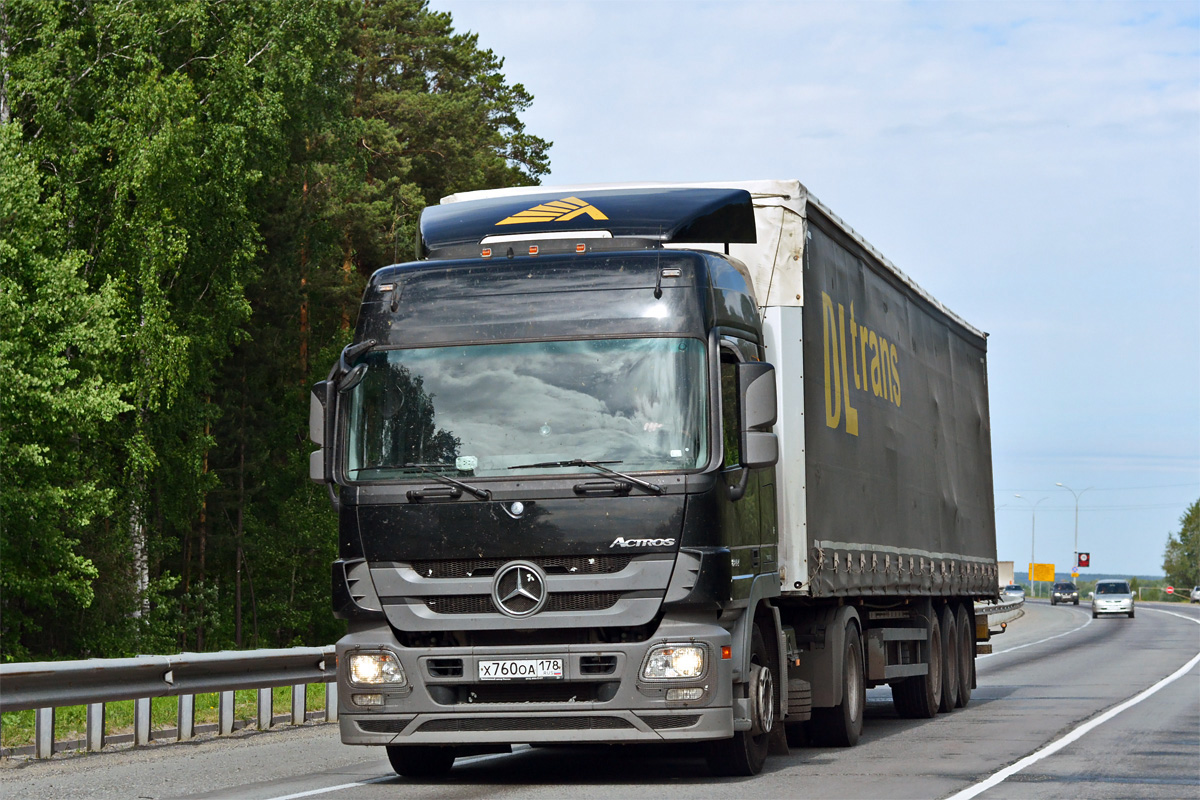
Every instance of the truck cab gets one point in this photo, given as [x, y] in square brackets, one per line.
[550, 449]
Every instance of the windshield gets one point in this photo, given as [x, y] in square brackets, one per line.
[1064, 587]
[478, 410]
[1112, 588]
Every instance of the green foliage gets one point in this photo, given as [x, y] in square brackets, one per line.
[55, 336]
[1181, 560]
[193, 196]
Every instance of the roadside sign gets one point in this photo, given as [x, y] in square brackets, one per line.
[1083, 560]
[1075, 574]
[1043, 572]
[1170, 590]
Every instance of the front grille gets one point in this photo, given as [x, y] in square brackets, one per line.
[553, 565]
[672, 721]
[524, 724]
[559, 601]
[527, 692]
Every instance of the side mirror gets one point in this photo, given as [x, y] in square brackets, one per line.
[319, 468]
[756, 387]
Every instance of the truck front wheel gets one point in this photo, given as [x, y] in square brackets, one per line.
[841, 725]
[420, 761]
[746, 752]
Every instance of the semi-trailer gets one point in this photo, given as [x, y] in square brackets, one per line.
[651, 463]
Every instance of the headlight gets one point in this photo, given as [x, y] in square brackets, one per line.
[674, 661]
[375, 668]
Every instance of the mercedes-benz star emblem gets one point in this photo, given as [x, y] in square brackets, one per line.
[519, 589]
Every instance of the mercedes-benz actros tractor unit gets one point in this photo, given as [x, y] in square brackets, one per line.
[651, 463]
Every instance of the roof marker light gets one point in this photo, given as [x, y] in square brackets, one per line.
[581, 248]
[486, 252]
[533, 249]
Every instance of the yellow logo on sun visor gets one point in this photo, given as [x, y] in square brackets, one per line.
[555, 211]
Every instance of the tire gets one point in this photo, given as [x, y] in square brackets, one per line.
[920, 696]
[420, 761]
[950, 666]
[745, 752]
[1076, 602]
[966, 654]
[1094, 614]
[841, 725]
[1052, 602]
[1131, 613]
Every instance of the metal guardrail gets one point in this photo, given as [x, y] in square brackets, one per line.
[48, 685]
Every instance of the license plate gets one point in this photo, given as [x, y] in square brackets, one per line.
[515, 669]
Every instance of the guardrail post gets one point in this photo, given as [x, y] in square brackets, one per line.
[331, 702]
[186, 725]
[43, 730]
[265, 709]
[225, 714]
[299, 702]
[94, 738]
[141, 721]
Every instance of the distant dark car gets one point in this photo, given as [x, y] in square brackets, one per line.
[1065, 592]
[1112, 597]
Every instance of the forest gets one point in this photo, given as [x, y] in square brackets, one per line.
[192, 196]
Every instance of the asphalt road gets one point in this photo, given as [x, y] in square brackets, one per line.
[1067, 706]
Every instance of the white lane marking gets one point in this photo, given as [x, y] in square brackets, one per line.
[1083, 729]
[382, 778]
[1039, 641]
[328, 789]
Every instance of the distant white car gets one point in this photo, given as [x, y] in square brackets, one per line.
[1012, 592]
[1196, 594]
[1112, 597]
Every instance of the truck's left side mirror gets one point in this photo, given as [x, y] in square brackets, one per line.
[756, 386]
[316, 432]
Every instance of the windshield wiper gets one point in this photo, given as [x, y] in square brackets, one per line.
[482, 494]
[582, 462]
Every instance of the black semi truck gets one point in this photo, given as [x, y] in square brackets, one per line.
[651, 463]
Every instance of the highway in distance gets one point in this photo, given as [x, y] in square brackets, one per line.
[1067, 706]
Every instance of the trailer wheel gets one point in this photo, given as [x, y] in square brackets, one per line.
[841, 725]
[966, 653]
[920, 696]
[420, 761]
[950, 665]
[746, 751]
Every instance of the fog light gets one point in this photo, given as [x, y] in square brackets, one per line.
[367, 699]
[674, 661]
[692, 693]
[375, 668]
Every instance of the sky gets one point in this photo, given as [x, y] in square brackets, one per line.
[1033, 165]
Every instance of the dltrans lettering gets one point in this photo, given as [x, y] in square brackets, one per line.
[879, 375]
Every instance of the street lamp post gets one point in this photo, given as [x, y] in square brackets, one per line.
[1032, 540]
[1075, 563]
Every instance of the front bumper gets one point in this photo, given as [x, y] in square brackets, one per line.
[1117, 607]
[601, 697]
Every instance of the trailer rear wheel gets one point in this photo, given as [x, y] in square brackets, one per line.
[920, 696]
[950, 665]
[841, 725]
[746, 752]
[966, 653]
[420, 761]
